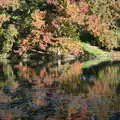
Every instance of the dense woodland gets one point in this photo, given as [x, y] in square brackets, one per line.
[58, 27]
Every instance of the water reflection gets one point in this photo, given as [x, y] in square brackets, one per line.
[59, 91]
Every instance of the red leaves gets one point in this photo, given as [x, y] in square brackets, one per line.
[36, 38]
[47, 38]
[51, 2]
[94, 24]
[84, 8]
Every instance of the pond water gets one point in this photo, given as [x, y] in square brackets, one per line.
[60, 90]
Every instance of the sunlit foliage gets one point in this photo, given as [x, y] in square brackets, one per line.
[40, 24]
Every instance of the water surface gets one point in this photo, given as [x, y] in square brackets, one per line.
[60, 90]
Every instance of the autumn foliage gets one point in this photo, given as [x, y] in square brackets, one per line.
[54, 26]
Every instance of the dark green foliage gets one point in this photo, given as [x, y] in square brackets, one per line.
[69, 30]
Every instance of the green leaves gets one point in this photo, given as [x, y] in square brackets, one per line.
[9, 38]
[12, 31]
[69, 30]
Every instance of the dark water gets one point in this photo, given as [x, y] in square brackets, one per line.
[59, 90]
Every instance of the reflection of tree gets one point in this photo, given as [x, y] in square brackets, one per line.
[58, 92]
[100, 87]
[105, 79]
[8, 83]
[110, 74]
[49, 74]
[99, 107]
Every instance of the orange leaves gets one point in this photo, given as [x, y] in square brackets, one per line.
[77, 12]
[38, 15]
[38, 18]
[67, 46]
[74, 69]
[3, 18]
[36, 38]
[41, 37]
[5, 3]
[49, 74]
[24, 46]
[94, 24]
[73, 11]
[47, 42]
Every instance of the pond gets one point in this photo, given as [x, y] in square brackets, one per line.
[60, 90]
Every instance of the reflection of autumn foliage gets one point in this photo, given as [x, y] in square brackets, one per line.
[101, 106]
[68, 75]
[5, 115]
[100, 87]
[38, 96]
[42, 97]
[3, 97]
[106, 81]
[83, 114]
[74, 70]
[48, 75]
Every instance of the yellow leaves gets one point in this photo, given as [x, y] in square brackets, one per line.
[72, 8]
[63, 39]
[108, 10]
[38, 24]
[77, 12]
[38, 15]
